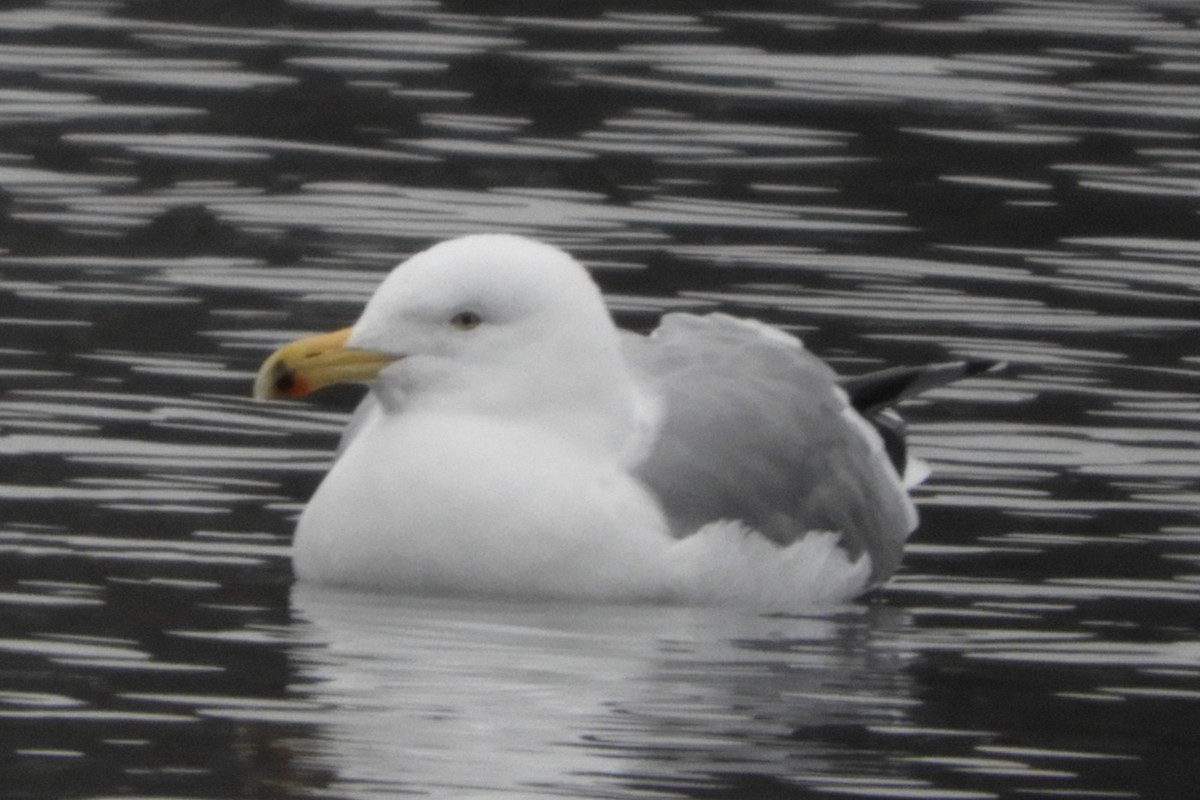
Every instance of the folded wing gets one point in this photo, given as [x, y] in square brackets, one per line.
[756, 429]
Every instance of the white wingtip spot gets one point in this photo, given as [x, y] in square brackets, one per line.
[915, 472]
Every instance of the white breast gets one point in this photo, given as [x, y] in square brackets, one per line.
[421, 502]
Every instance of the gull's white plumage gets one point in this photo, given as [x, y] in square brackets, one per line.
[544, 453]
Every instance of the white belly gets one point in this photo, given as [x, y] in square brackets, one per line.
[441, 504]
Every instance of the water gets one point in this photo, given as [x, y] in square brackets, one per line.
[185, 186]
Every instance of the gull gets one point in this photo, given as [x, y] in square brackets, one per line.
[514, 442]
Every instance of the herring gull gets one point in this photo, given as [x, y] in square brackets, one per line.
[515, 442]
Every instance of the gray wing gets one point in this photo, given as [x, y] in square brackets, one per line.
[755, 429]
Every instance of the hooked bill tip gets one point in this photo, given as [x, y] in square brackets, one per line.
[277, 379]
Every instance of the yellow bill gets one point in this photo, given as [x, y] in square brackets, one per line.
[305, 365]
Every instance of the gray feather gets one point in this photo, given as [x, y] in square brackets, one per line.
[756, 429]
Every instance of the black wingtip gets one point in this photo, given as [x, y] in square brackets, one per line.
[978, 366]
[873, 394]
[894, 433]
[878, 390]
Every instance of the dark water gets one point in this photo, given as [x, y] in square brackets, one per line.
[183, 186]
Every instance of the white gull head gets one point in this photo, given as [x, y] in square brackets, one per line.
[502, 326]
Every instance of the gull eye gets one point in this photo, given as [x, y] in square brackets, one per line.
[466, 320]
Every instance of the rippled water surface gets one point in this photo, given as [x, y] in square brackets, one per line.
[184, 186]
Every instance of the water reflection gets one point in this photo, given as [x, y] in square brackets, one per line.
[438, 695]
